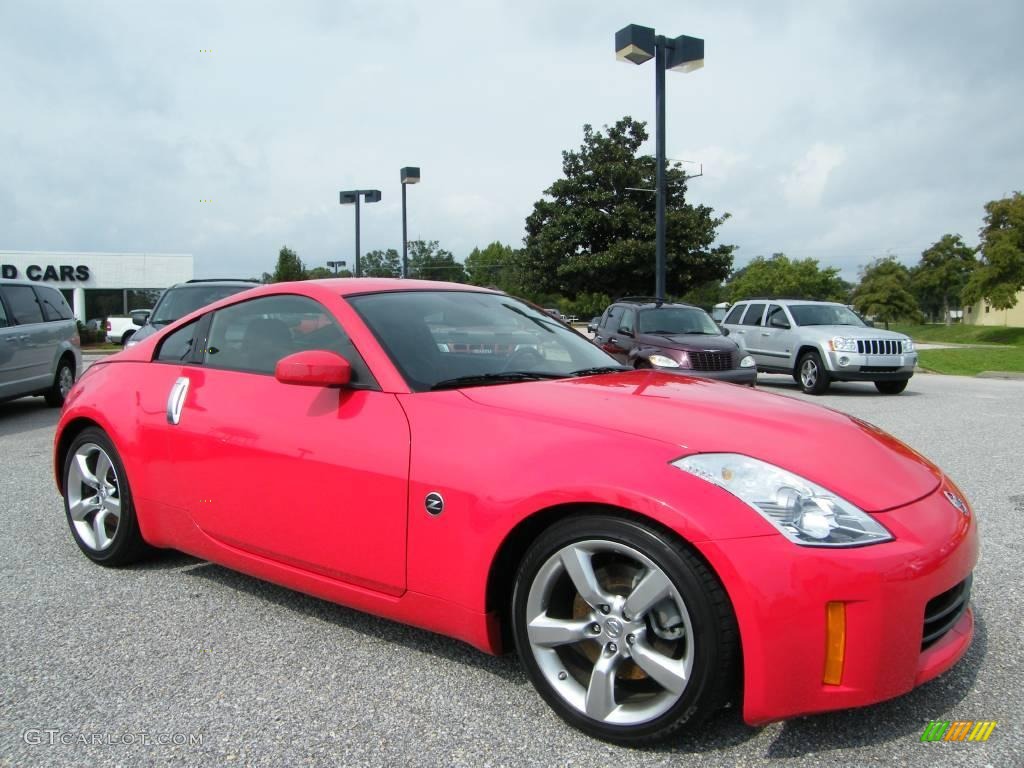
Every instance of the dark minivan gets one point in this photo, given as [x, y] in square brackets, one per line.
[678, 338]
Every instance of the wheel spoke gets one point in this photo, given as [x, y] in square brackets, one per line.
[99, 529]
[83, 507]
[103, 468]
[654, 586]
[667, 672]
[549, 632]
[601, 691]
[113, 506]
[578, 565]
[83, 470]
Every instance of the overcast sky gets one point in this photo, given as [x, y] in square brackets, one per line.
[838, 130]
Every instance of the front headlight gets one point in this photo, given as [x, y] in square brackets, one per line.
[908, 345]
[843, 344]
[802, 511]
[747, 362]
[663, 361]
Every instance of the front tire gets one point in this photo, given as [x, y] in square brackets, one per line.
[891, 387]
[63, 380]
[624, 632]
[811, 374]
[98, 501]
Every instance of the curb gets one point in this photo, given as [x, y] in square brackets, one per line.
[1013, 375]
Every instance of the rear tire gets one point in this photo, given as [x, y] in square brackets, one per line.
[63, 380]
[891, 387]
[811, 374]
[98, 501]
[665, 653]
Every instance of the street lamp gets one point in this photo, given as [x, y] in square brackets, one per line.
[638, 44]
[335, 265]
[409, 175]
[348, 197]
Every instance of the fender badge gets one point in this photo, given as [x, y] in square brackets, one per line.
[434, 503]
[957, 502]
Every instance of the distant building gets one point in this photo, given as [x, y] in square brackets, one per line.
[983, 314]
[97, 285]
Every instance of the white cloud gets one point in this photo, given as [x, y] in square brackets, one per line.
[805, 184]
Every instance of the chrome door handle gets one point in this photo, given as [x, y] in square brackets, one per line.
[765, 333]
[176, 400]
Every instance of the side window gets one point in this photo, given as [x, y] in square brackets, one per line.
[253, 335]
[53, 304]
[3, 316]
[628, 321]
[776, 317]
[734, 315]
[753, 315]
[611, 319]
[24, 307]
[178, 346]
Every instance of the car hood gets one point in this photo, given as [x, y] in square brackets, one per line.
[845, 455]
[853, 331]
[688, 341]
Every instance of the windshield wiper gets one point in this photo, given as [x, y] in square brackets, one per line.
[495, 378]
[600, 369]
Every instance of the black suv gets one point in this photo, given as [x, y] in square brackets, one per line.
[183, 299]
[646, 333]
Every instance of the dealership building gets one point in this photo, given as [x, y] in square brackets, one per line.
[97, 285]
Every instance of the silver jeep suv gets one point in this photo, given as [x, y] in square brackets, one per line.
[819, 342]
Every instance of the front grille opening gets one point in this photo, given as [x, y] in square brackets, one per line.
[944, 611]
[711, 361]
[879, 347]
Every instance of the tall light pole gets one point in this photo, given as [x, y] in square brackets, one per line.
[335, 265]
[409, 176]
[682, 54]
[348, 197]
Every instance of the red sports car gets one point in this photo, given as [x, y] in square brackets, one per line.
[450, 457]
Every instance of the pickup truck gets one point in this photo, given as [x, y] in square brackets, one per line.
[120, 328]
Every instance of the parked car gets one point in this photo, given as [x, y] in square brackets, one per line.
[734, 546]
[646, 333]
[555, 313]
[40, 349]
[121, 328]
[593, 324]
[819, 342]
[182, 299]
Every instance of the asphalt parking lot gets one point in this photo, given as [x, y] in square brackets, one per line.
[265, 676]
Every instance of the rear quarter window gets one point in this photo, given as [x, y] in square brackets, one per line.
[53, 304]
[23, 303]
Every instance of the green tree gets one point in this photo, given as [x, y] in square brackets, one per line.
[705, 295]
[289, 267]
[592, 233]
[318, 273]
[381, 264]
[1000, 273]
[942, 274]
[782, 277]
[884, 292]
[429, 261]
[494, 265]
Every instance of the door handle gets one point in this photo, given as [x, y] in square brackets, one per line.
[176, 400]
[765, 333]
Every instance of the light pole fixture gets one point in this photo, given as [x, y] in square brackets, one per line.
[638, 44]
[348, 197]
[335, 265]
[409, 176]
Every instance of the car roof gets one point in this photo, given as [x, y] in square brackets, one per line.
[653, 304]
[787, 302]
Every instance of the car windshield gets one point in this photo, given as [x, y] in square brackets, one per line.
[824, 314]
[677, 320]
[178, 302]
[440, 339]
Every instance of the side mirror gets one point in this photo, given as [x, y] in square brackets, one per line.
[779, 324]
[139, 316]
[314, 368]
[724, 330]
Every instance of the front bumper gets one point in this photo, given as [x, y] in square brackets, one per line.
[850, 366]
[745, 376]
[780, 590]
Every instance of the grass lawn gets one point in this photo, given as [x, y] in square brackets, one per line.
[963, 334]
[972, 360]
[104, 347]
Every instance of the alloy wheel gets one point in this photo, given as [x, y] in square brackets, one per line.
[809, 373]
[610, 632]
[65, 380]
[94, 496]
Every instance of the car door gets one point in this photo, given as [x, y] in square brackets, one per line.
[747, 330]
[777, 338]
[28, 367]
[608, 328]
[312, 477]
[8, 354]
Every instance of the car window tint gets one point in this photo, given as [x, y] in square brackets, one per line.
[254, 335]
[776, 317]
[753, 315]
[612, 318]
[734, 315]
[178, 346]
[3, 316]
[628, 322]
[53, 304]
[24, 307]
